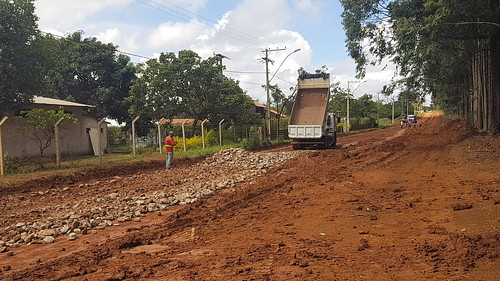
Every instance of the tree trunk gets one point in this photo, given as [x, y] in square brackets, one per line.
[485, 102]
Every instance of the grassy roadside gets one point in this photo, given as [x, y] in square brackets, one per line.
[28, 170]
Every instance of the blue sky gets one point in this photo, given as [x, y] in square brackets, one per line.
[238, 29]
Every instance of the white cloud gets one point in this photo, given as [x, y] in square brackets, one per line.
[310, 6]
[128, 43]
[175, 35]
[70, 14]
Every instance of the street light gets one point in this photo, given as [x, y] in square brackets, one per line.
[296, 50]
[268, 114]
[348, 93]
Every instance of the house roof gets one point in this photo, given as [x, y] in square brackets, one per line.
[175, 121]
[51, 101]
[257, 104]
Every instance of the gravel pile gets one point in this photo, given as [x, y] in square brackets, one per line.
[70, 220]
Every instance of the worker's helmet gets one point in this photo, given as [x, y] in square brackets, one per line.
[171, 133]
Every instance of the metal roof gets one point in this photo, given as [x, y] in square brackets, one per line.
[51, 101]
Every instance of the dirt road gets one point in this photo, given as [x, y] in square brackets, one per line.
[391, 204]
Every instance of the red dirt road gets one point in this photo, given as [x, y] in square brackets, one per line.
[391, 204]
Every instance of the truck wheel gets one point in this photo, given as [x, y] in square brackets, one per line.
[334, 141]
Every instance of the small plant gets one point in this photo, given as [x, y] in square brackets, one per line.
[12, 164]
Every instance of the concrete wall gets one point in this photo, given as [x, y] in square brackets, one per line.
[74, 139]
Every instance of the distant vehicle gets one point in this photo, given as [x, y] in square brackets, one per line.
[412, 118]
[310, 125]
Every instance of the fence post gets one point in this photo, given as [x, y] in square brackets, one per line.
[203, 133]
[220, 132]
[159, 136]
[99, 138]
[2, 168]
[58, 151]
[133, 134]
[184, 135]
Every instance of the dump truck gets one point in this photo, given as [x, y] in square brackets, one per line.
[310, 125]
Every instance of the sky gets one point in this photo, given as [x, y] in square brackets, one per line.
[241, 30]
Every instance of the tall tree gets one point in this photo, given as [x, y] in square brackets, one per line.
[188, 87]
[447, 47]
[87, 71]
[19, 63]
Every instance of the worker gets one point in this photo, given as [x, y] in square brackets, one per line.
[169, 147]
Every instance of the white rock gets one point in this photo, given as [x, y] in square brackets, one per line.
[49, 239]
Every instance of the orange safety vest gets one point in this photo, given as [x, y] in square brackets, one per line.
[169, 144]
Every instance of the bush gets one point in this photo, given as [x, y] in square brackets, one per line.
[12, 164]
[213, 137]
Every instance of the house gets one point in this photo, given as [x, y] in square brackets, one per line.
[262, 109]
[74, 139]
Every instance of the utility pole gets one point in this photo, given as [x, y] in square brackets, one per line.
[392, 96]
[268, 113]
[221, 56]
[347, 109]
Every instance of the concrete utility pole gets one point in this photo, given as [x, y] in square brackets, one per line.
[392, 96]
[268, 113]
[348, 93]
[221, 56]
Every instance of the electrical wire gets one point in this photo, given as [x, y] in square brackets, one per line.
[187, 18]
[81, 42]
[233, 31]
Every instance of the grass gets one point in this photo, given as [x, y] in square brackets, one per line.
[27, 169]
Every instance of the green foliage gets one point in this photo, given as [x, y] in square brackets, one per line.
[87, 71]
[117, 136]
[185, 86]
[433, 42]
[19, 62]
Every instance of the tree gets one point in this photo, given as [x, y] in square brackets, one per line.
[19, 63]
[87, 71]
[450, 48]
[185, 86]
[41, 125]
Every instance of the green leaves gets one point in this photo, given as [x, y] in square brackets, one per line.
[185, 86]
[19, 72]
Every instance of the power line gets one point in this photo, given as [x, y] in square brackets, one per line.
[80, 42]
[251, 37]
[169, 11]
[234, 71]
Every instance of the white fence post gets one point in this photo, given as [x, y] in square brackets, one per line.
[184, 135]
[203, 133]
[2, 168]
[220, 132]
[58, 151]
[133, 134]
[99, 138]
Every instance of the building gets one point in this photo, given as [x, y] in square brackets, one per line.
[262, 109]
[74, 139]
